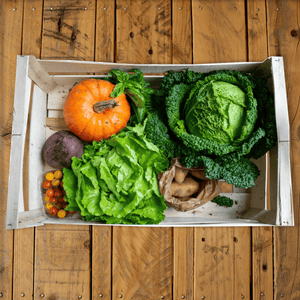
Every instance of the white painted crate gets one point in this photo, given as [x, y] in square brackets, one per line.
[48, 92]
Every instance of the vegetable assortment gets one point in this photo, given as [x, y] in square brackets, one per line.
[217, 121]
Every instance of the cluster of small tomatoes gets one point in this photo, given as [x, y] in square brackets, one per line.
[55, 194]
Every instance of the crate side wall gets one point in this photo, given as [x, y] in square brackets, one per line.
[52, 66]
[15, 200]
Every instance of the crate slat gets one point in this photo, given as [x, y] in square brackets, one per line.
[38, 74]
[37, 140]
[285, 201]
[15, 201]
[69, 66]
[281, 108]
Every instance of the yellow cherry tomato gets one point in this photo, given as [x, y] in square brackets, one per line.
[50, 176]
[55, 182]
[49, 205]
[47, 198]
[58, 174]
[61, 213]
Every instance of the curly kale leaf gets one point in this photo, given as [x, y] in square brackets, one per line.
[172, 78]
[223, 201]
[157, 131]
[266, 118]
[241, 173]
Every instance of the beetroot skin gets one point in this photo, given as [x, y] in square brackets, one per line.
[60, 148]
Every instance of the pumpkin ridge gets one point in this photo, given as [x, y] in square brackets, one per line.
[83, 128]
[88, 88]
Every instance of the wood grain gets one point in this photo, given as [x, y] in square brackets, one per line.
[24, 238]
[105, 31]
[62, 262]
[63, 253]
[143, 32]
[142, 263]
[183, 238]
[262, 238]
[68, 29]
[101, 262]
[57, 124]
[283, 40]
[182, 32]
[242, 262]
[257, 30]
[142, 257]
[222, 263]
[223, 270]
[102, 235]
[219, 31]
[183, 265]
[23, 263]
[262, 263]
[11, 14]
[214, 260]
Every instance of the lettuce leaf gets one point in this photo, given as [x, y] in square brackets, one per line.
[115, 181]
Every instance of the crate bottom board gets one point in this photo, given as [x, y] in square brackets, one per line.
[206, 215]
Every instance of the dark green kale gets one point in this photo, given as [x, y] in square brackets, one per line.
[157, 132]
[242, 173]
[266, 118]
[172, 78]
[223, 201]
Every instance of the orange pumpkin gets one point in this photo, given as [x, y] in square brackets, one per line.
[92, 114]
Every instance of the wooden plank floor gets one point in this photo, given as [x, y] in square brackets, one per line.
[90, 262]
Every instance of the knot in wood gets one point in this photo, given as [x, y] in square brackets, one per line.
[294, 33]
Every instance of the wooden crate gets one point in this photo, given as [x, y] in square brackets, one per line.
[38, 84]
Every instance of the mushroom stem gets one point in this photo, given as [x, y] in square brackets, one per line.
[101, 106]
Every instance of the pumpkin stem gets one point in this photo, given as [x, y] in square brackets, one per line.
[101, 106]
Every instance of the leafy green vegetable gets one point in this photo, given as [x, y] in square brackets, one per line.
[217, 111]
[157, 132]
[134, 86]
[115, 181]
[252, 135]
[223, 201]
[211, 113]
